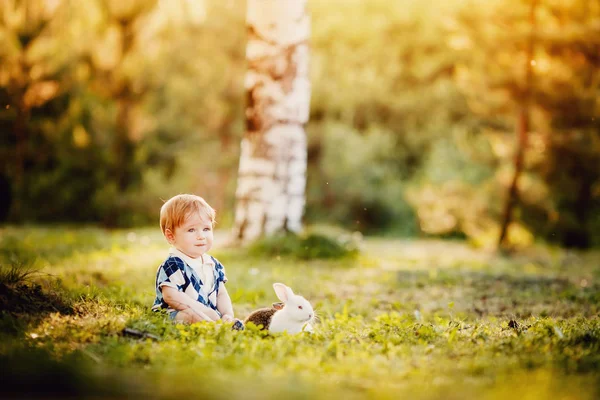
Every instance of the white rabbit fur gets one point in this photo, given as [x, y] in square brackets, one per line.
[296, 314]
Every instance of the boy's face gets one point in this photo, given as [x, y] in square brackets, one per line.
[194, 237]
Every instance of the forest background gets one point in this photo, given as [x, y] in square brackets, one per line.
[109, 107]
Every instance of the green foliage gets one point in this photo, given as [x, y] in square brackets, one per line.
[112, 113]
[312, 246]
[352, 195]
[557, 199]
[109, 110]
[372, 122]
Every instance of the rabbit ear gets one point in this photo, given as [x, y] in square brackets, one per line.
[278, 306]
[283, 292]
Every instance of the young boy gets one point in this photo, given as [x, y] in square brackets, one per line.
[190, 284]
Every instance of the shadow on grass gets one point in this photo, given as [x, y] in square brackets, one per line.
[490, 282]
[489, 293]
[33, 373]
[21, 298]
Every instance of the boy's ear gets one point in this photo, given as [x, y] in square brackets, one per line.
[169, 235]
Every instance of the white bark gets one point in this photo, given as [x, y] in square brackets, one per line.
[272, 173]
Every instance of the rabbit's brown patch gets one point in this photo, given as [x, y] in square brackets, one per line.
[262, 317]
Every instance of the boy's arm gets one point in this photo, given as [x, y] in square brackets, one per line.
[180, 301]
[224, 304]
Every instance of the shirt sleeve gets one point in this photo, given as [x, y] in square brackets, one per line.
[221, 277]
[171, 274]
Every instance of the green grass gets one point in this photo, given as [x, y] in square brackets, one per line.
[425, 319]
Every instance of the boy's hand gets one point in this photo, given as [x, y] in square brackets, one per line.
[227, 318]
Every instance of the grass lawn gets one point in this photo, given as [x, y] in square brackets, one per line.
[425, 319]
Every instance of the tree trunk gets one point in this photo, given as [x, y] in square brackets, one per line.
[272, 172]
[123, 168]
[21, 152]
[522, 133]
[123, 146]
[511, 197]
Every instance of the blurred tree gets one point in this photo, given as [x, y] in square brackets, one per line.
[496, 74]
[502, 50]
[412, 113]
[115, 77]
[87, 147]
[568, 95]
[34, 81]
[272, 175]
[199, 125]
[383, 95]
[522, 127]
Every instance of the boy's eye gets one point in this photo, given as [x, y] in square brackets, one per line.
[191, 230]
[206, 229]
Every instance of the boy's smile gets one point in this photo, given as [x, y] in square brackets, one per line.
[194, 237]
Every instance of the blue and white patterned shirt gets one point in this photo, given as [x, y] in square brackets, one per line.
[199, 280]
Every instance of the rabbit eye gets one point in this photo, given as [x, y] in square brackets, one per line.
[300, 307]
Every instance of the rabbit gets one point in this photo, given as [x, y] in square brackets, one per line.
[293, 315]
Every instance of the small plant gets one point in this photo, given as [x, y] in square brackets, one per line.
[16, 272]
[308, 247]
[20, 293]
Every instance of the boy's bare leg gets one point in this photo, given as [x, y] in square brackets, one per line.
[189, 316]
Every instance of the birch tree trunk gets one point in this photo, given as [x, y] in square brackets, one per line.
[272, 172]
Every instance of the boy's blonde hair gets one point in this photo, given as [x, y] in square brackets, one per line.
[175, 211]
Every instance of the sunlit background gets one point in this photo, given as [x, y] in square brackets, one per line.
[108, 107]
